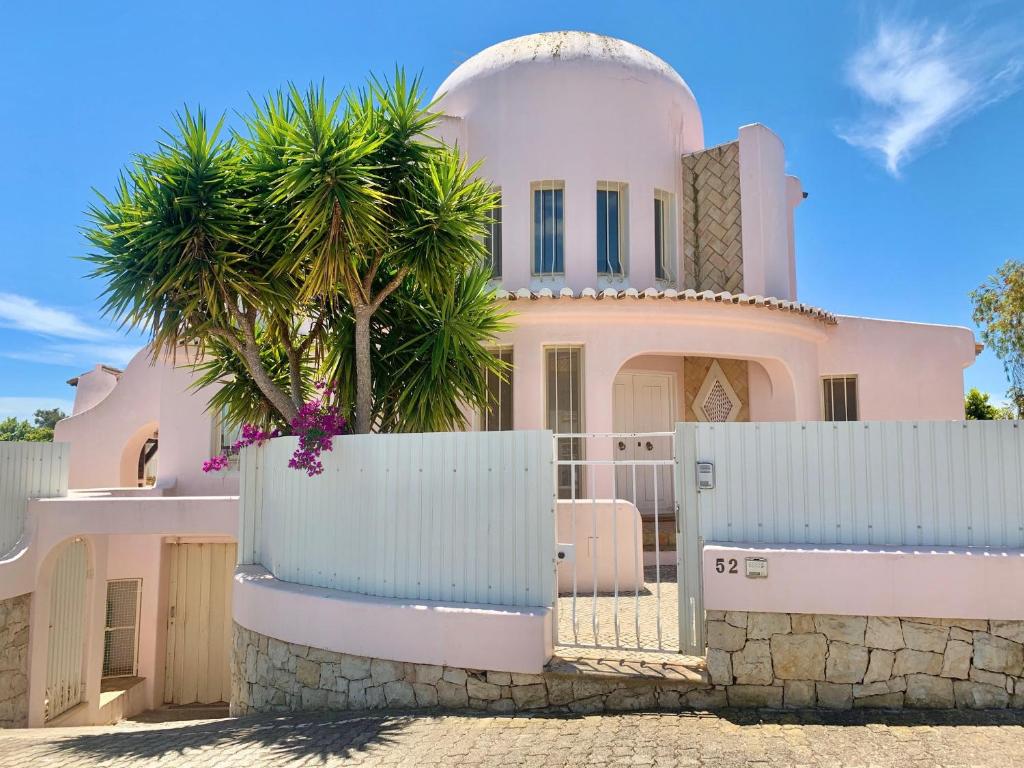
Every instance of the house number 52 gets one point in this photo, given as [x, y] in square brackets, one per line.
[720, 565]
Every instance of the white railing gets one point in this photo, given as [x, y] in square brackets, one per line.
[617, 588]
[455, 517]
[873, 483]
[28, 471]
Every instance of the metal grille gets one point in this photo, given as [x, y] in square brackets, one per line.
[564, 400]
[121, 632]
[717, 405]
[611, 228]
[548, 228]
[492, 239]
[840, 398]
[617, 574]
[497, 416]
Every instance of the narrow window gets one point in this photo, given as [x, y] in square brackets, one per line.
[611, 228]
[492, 240]
[840, 398]
[225, 437]
[664, 236]
[564, 395]
[497, 416]
[121, 629]
[548, 228]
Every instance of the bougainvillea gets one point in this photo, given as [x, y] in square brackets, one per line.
[317, 423]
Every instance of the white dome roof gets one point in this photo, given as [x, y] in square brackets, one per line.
[608, 55]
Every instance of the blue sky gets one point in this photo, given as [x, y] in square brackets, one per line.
[903, 124]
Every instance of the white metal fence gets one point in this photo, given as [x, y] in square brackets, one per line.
[66, 644]
[461, 517]
[958, 483]
[27, 471]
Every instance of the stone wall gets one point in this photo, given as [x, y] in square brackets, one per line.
[14, 616]
[269, 675]
[712, 238]
[840, 662]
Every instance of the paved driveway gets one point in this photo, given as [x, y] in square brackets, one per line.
[743, 739]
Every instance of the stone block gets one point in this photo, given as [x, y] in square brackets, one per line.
[278, 653]
[499, 678]
[925, 637]
[736, 618]
[885, 632]
[870, 689]
[929, 692]
[725, 637]
[974, 625]
[399, 693]
[314, 699]
[455, 675]
[426, 694]
[451, 694]
[802, 623]
[897, 684]
[844, 629]
[714, 615]
[998, 654]
[322, 656]
[753, 664]
[880, 701]
[630, 699]
[426, 673]
[719, 665]
[909, 662]
[354, 667]
[384, 671]
[755, 696]
[357, 694]
[706, 698]
[798, 657]
[798, 694]
[846, 663]
[503, 706]
[307, 673]
[532, 696]
[997, 679]
[375, 697]
[956, 662]
[956, 633]
[761, 626]
[834, 695]
[1011, 630]
[519, 678]
[480, 689]
[972, 695]
[879, 665]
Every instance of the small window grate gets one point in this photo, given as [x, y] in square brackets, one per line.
[718, 405]
[120, 642]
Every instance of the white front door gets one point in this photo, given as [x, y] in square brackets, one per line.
[642, 402]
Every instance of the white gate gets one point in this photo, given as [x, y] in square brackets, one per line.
[66, 643]
[618, 568]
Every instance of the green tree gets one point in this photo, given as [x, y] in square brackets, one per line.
[14, 429]
[329, 237]
[978, 407]
[999, 312]
[47, 418]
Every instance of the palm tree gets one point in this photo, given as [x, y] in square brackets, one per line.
[330, 237]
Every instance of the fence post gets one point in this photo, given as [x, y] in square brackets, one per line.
[688, 542]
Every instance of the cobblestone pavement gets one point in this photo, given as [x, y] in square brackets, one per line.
[907, 740]
[638, 616]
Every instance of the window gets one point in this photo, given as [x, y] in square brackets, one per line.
[492, 240]
[664, 236]
[564, 395]
[121, 629]
[611, 228]
[840, 398]
[497, 417]
[225, 437]
[548, 228]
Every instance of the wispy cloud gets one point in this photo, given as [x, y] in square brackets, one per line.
[919, 80]
[25, 314]
[77, 354]
[24, 407]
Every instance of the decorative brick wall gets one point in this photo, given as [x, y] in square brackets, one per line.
[842, 662]
[695, 370]
[14, 616]
[712, 238]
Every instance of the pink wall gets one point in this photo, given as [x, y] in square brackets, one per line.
[92, 387]
[608, 546]
[869, 581]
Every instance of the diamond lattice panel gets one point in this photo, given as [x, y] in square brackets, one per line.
[718, 405]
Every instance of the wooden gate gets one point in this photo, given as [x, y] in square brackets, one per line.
[66, 643]
[199, 625]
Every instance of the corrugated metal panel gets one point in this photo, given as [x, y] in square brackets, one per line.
[462, 517]
[28, 471]
[67, 629]
[955, 483]
[199, 624]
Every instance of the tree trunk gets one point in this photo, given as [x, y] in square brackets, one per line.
[364, 375]
[274, 394]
